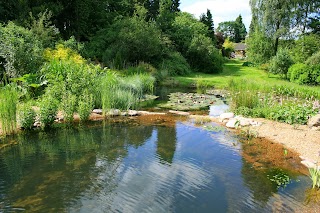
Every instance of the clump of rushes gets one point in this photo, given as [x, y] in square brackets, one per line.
[8, 109]
[26, 116]
[124, 93]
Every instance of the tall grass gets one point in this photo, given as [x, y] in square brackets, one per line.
[8, 109]
[124, 92]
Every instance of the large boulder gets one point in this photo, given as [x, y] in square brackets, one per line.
[314, 121]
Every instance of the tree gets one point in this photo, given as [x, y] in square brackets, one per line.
[208, 21]
[166, 15]
[274, 18]
[240, 30]
[227, 28]
[234, 30]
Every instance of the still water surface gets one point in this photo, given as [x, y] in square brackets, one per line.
[136, 167]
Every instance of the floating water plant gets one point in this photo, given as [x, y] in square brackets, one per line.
[189, 101]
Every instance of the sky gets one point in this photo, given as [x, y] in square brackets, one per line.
[222, 10]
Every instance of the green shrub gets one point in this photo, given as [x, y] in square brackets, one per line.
[203, 56]
[247, 64]
[280, 63]
[176, 64]
[21, 50]
[26, 116]
[314, 59]
[48, 111]
[8, 109]
[304, 74]
[85, 106]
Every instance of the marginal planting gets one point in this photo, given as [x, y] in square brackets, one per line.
[8, 109]
[289, 105]
[26, 116]
[124, 93]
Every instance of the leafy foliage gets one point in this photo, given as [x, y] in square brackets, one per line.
[15, 42]
[281, 63]
[26, 116]
[203, 56]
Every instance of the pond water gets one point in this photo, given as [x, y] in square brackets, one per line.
[139, 166]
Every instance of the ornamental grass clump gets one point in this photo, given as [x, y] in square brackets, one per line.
[124, 92]
[8, 109]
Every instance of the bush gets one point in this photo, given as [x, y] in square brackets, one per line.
[203, 56]
[280, 63]
[26, 116]
[127, 41]
[314, 59]
[248, 64]
[175, 64]
[21, 50]
[48, 111]
[304, 74]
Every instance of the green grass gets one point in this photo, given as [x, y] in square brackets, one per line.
[8, 109]
[266, 82]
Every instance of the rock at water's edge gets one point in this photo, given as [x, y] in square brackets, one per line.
[314, 121]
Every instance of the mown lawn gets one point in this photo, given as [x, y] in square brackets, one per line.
[233, 69]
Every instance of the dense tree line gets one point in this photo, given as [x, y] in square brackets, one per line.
[119, 33]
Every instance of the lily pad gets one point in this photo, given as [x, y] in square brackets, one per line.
[189, 101]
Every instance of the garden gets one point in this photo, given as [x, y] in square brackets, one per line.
[127, 106]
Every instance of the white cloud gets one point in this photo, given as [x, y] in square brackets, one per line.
[222, 10]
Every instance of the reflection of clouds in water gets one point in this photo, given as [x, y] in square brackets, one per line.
[157, 188]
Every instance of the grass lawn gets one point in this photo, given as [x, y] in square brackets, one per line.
[233, 69]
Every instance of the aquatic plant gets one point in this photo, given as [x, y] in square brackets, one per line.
[279, 177]
[315, 176]
[8, 109]
[124, 92]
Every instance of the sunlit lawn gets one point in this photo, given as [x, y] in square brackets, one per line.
[233, 69]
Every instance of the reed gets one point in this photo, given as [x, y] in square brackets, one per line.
[8, 109]
[124, 92]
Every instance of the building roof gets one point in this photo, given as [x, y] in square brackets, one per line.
[240, 46]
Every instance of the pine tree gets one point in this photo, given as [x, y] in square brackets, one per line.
[208, 21]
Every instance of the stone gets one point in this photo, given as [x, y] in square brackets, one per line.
[226, 116]
[114, 112]
[97, 111]
[232, 123]
[314, 121]
[133, 113]
[179, 113]
[245, 122]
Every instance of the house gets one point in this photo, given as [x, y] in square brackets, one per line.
[240, 50]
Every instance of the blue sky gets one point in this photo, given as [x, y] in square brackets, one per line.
[222, 10]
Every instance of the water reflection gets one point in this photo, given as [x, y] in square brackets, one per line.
[166, 144]
[120, 167]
